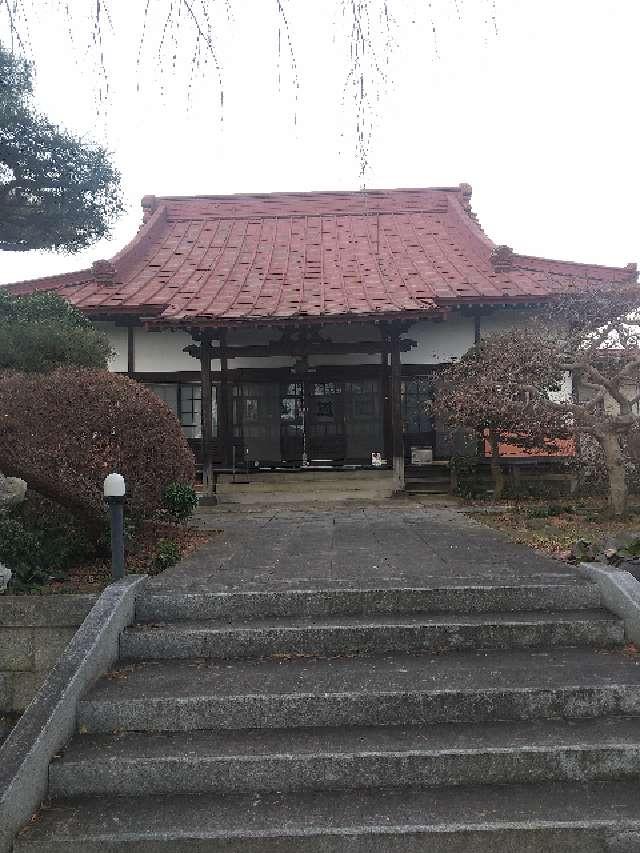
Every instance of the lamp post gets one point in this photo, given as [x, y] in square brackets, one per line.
[114, 492]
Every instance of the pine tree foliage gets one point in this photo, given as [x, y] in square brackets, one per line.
[56, 191]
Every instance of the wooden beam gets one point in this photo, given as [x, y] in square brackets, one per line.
[299, 349]
[206, 416]
[396, 412]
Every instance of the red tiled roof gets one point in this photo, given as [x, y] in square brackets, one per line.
[282, 256]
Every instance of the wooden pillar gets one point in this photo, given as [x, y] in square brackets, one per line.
[477, 332]
[206, 414]
[385, 397]
[477, 337]
[396, 412]
[225, 416]
[131, 351]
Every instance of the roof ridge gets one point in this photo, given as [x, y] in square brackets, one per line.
[462, 206]
[44, 282]
[631, 268]
[134, 251]
[308, 194]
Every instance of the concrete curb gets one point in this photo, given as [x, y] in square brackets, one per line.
[50, 720]
[620, 592]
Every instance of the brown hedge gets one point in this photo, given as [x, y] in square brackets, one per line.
[64, 431]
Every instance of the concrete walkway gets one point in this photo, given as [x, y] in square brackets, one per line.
[376, 546]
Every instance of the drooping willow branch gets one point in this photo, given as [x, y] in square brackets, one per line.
[372, 29]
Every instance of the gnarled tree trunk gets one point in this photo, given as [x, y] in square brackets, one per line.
[614, 456]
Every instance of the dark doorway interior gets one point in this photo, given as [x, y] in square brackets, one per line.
[308, 421]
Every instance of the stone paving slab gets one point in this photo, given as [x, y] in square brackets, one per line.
[387, 545]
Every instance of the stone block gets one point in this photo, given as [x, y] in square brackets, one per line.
[49, 721]
[16, 649]
[6, 690]
[23, 611]
[25, 687]
[49, 644]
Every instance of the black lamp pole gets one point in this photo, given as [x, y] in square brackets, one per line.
[114, 492]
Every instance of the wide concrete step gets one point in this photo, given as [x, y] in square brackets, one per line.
[137, 764]
[560, 593]
[598, 817]
[346, 635]
[364, 691]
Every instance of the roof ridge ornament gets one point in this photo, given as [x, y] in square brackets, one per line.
[104, 272]
[149, 205]
[467, 191]
[502, 258]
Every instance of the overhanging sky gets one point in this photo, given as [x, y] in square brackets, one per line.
[540, 117]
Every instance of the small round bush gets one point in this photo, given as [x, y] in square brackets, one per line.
[167, 555]
[180, 500]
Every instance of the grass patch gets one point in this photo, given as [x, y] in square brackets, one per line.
[556, 528]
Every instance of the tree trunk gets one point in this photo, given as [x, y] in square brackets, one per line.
[614, 456]
[496, 468]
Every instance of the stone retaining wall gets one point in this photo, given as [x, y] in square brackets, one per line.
[34, 631]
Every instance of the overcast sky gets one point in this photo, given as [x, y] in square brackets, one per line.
[539, 113]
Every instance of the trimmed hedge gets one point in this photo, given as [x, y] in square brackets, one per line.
[64, 431]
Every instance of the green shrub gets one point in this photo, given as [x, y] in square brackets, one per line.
[180, 500]
[39, 540]
[167, 555]
[632, 549]
[20, 552]
[466, 475]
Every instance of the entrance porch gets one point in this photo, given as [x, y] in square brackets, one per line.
[305, 399]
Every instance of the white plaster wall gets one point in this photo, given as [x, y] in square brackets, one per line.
[118, 339]
[160, 352]
[612, 407]
[439, 342]
[500, 320]
[155, 352]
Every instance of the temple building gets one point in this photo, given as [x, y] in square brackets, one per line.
[293, 330]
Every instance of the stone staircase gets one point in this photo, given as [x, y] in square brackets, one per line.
[462, 718]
